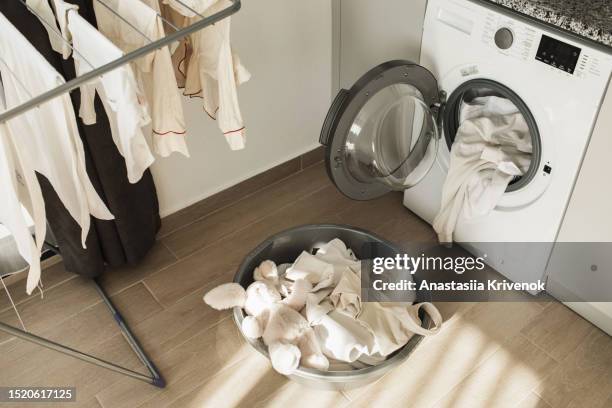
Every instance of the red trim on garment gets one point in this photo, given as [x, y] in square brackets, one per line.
[234, 131]
[170, 131]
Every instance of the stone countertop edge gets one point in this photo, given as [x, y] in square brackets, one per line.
[588, 22]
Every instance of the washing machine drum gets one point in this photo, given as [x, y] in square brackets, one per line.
[382, 134]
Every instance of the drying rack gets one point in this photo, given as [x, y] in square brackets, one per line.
[155, 378]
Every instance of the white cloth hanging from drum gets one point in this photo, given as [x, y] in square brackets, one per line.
[491, 147]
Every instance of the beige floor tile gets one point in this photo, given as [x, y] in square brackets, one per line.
[558, 331]
[409, 230]
[51, 277]
[439, 363]
[442, 361]
[388, 218]
[533, 401]
[58, 304]
[136, 303]
[184, 367]
[178, 323]
[227, 197]
[506, 377]
[501, 320]
[84, 331]
[584, 378]
[227, 253]
[88, 403]
[373, 214]
[117, 279]
[239, 215]
[451, 311]
[249, 383]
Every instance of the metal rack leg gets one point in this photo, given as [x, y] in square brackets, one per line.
[155, 378]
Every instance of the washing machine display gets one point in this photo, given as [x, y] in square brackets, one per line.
[558, 54]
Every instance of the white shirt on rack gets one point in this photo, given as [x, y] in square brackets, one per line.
[117, 90]
[213, 72]
[154, 71]
[47, 138]
[20, 190]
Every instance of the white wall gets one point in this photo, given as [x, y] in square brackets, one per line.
[286, 45]
[370, 32]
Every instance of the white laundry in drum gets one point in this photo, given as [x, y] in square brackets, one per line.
[492, 148]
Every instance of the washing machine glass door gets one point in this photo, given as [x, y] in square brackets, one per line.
[382, 134]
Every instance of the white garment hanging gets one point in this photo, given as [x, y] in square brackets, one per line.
[15, 193]
[44, 13]
[27, 187]
[118, 92]
[491, 147]
[154, 71]
[47, 138]
[213, 72]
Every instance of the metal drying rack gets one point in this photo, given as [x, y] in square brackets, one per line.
[155, 378]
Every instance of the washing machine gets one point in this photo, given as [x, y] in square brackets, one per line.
[394, 128]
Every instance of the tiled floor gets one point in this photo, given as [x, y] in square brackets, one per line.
[488, 355]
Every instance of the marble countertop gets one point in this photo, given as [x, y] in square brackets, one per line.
[591, 19]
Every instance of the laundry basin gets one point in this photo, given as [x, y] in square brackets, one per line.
[285, 247]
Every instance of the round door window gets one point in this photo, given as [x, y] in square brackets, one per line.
[393, 140]
[381, 134]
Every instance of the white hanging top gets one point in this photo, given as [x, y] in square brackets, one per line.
[118, 92]
[213, 72]
[17, 191]
[47, 139]
[154, 71]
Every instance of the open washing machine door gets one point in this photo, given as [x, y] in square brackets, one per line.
[382, 135]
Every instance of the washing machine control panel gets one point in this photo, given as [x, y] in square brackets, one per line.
[528, 43]
[558, 54]
[508, 36]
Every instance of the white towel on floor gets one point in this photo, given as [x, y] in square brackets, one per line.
[491, 147]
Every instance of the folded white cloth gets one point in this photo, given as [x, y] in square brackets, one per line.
[336, 253]
[491, 147]
[346, 296]
[319, 273]
[343, 337]
[393, 324]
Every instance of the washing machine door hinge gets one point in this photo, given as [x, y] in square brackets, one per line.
[437, 109]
